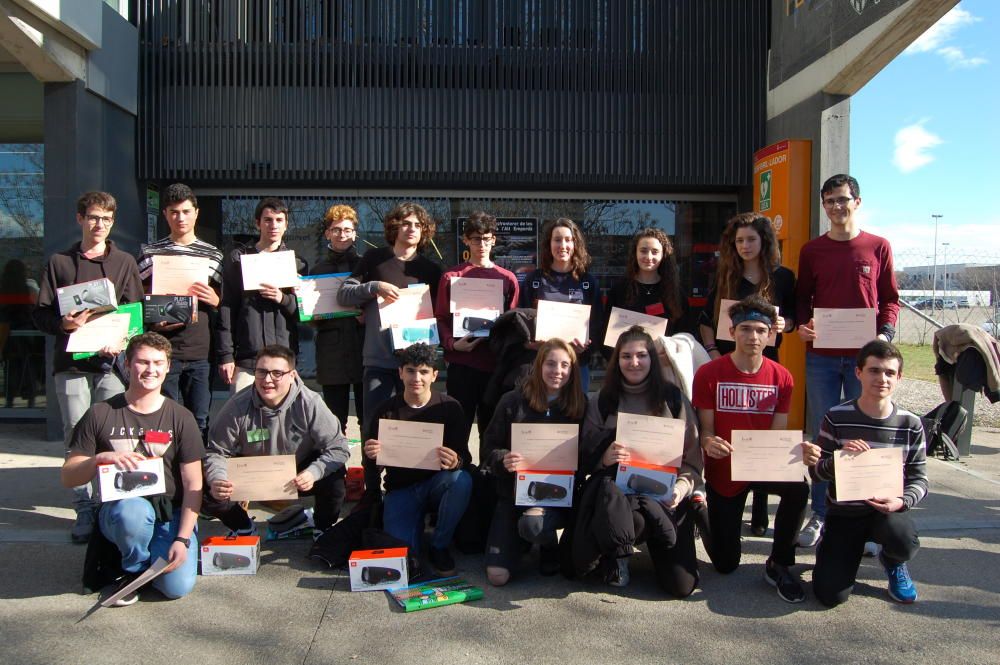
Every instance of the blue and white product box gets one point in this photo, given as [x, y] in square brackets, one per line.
[147, 479]
[648, 479]
[544, 488]
[421, 330]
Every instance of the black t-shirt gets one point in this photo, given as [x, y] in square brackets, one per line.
[439, 409]
[783, 297]
[113, 426]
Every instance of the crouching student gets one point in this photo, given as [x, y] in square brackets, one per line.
[616, 522]
[870, 421]
[124, 430]
[743, 390]
[277, 415]
[551, 393]
[411, 493]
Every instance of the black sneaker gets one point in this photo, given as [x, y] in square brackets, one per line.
[119, 584]
[442, 561]
[618, 574]
[789, 589]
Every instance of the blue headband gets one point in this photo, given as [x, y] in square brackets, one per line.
[752, 315]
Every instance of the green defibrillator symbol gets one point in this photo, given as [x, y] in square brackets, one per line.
[765, 190]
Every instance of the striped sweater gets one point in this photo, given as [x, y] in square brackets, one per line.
[846, 422]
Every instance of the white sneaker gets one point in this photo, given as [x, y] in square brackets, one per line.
[811, 532]
[871, 549]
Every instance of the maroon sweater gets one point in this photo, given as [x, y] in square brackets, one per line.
[848, 274]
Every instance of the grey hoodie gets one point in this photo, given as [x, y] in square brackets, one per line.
[301, 425]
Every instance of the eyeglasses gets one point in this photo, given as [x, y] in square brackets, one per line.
[275, 374]
[97, 219]
[839, 202]
[340, 232]
[481, 240]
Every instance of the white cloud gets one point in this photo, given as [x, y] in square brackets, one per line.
[913, 144]
[957, 59]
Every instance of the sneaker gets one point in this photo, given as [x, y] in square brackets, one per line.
[119, 584]
[811, 532]
[618, 575]
[442, 561]
[789, 589]
[246, 531]
[871, 549]
[83, 527]
[901, 586]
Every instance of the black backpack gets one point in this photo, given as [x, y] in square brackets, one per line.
[942, 426]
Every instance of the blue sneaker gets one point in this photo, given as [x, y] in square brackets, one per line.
[901, 586]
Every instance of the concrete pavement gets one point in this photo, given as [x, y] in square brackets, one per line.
[295, 612]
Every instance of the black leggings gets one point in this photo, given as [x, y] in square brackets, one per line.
[725, 518]
[510, 526]
[338, 399]
[467, 385]
[843, 545]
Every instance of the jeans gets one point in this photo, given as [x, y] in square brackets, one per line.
[131, 525]
[76, 391]
[827, 378]
[405, 508]
[188, 384]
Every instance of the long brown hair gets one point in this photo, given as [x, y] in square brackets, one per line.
[730, 270]
[580, 260]
[571, 400]
[659, 392]
[670, 295]
[395, 219]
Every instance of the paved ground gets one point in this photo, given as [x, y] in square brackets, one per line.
[293, 612]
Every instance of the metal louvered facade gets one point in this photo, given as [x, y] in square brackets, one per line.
[616, 95]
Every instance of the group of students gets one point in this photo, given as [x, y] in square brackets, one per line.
[271, 412]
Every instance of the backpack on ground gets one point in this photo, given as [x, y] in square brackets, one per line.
[942, 426]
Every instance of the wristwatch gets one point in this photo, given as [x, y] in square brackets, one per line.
[185, 541]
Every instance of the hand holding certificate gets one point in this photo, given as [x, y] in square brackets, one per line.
[651, 439]
[874, 473]
[843, 328]
[767, 456]
[475, 304]
[621, 320]
[174, 275]
[413, 304]
[410, 444]
[545, 446]
[262, 478]
[563, 320]
[99, 332]
[276, 269]
[317, 296]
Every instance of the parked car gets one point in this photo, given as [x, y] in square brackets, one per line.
[935, 303]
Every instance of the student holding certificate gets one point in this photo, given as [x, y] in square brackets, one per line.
[551, 393]
[251, 320]
[651, 284]
[609, 523]
[470, 361]
[339, 341]
[749, 262]
[410, 492]
[743, 390]
[871, 421]
[563, 277]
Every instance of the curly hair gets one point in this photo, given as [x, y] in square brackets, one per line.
[416, 355]
[395, 219]
[730, 270]
[339, 213]
[669, 277]
[580, 260]
[102, 200]
[150, 339]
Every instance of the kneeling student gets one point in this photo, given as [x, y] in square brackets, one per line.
[743, 390]
[412, 493]
[277, 415]
[870, 421]
[120, 431]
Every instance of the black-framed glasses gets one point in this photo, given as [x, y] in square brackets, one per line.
[340, 231]
[481, 240]
[97, 219]
[840, 201]
[275, 374]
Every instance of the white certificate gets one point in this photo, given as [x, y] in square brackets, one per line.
[262, 477]
[317, 296]
[410, 444]
[546, 446]
[475, 304]
[621, 320]
[563, 320]
[725, 323]
[413, 304]
[174, 275]
[651, 439]
[767, 455]
[97, 333]
[275, 269]
[843, 328]
[875, 473]
[142, 580]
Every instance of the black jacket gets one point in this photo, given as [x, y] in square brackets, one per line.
[248, 322]
[339, 342]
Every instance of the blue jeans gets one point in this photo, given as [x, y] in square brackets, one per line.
[405, 508]
[189, 384]
[131, 525]
[830, 380]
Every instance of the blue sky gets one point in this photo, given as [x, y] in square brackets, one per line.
[925, 140]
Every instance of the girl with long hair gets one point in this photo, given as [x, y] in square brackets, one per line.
[651, 284]
[551, 393]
